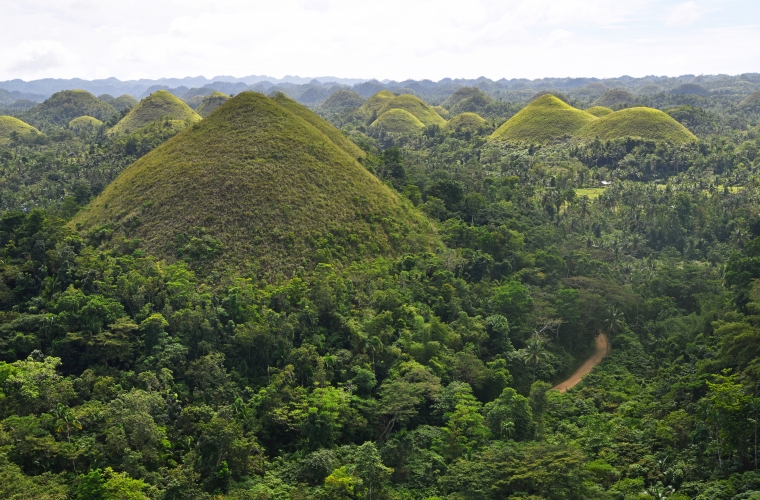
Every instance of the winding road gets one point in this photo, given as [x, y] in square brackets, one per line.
[602, 349]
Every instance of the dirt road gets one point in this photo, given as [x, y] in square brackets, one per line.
[602, 349]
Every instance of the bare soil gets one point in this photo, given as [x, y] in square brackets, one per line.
[602, 349]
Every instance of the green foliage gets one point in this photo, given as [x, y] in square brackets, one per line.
[342, 100]
[157, 106]
[210, 103]
[64, 106]
[11, 128]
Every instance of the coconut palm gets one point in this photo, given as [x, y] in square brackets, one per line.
[535, 354]
[613, 323]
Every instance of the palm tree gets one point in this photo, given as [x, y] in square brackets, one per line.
[535, 354]
[65, 420]
[613, 323]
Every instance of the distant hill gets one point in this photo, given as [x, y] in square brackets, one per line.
[398, 121]
[10, 125]
[647, 123]
[592, 90]
[466, 122]
[464, 93]
[210, 103]
[158, 105]
[753, 101]
[257, 188]
[123, 102]
[62, 107]
[616, 98]
[542, 120]
[649, 89]
[690, 88]
[598, 111]
[85, 122]
[374, 104]
[416, 106]
[342, 100]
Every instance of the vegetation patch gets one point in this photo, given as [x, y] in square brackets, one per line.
[11, 127]
[753, 101]
[374, 104]
[616, 98]
[646, 123]
[342, 100]
[64, 106]
[599, 111]
[156, 106]
[210, 103]
[466, 122]
[398, 121]
[417, 107]
[472, 94]
[85, 123]
[542, 120]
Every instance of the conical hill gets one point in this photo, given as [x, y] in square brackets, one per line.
[158, 105]
[375, 103]
[398, 121]
[752, 101]
[417, 107]
[342, 100]
[9, 125]
[257, 188]
[64, 106]
[466, 122]
[210, 103]
[544, 119]
[647, 123]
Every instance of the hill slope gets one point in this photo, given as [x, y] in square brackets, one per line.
[543, 119]
[342, 100]
[598, 111]
[472, 94]
[158, 105]
[647, 123]
[398, 121]
[375, 103]
[752, 101]
[210, 103]
[417, 107]
[64, 106]
[9, 125]
[256, 187]
[85, 122]
[466, 122]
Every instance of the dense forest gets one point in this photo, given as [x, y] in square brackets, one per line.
[396, 355]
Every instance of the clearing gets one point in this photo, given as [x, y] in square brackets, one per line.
[602, 349]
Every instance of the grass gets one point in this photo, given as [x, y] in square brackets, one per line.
[615, 98]
[85, 122]
[9, 125]
[374, 104]
[158, 105]
[591, 193]
[398, 121]
[64, 106]
[257, 188]
[342, 100]
[462, 94]
[466, 121]
[417, 107]
[210, 103]
[443, 112]
[647, 123]
[752, 101]
[542, 120]
[599, 111]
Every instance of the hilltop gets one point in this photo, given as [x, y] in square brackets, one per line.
[123, 102]
[210, 103]
[466, 122]
[256, 187]
[647, 123]
[374, 104]
[416, 106]
[9, 125]
[598, 111]
[64, 106]
[543, 119]
[398, 121]
[615, 98]
[158, 105]
[342, 100]
[467, 95]
[84, 122]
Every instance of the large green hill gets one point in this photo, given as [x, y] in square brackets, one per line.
[417, 107]
[466, 122]
[158, 105]
[64, 106]
[374, 104]
[342, 100]
[9, 125]
[398, 121]
[85, 123]
[466, 97]
[543, 119]
[647, 123]
[210, 103]
[256, 187]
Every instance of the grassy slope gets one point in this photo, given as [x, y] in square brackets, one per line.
[85, 122]
[342, 100]
[158, 105]
[64, 106]
[335, 135]
[398, 121]
[471, 121]
[751, 101]
[416, 107]
[9, 124]
[375, 103]
[272, 187]
[599, 111]
[647, 123]
[462, 94]
[544, 119]
[210, 103]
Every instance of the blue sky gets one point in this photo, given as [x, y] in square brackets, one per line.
[396, 39]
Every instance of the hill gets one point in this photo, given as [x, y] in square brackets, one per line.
[465, 93]
[123, 102]
[157, 105]
[398, 121]
[598, 111]
[210, 103]
[374, 104]
[691, 88]
[442, 112]
[647, 123]
[64, 106]
[256, 188]
[335, 135]
[466, 122]
[9, 125]
[649, 89]
[417, 107]
[615, 98]
[543, 119]
[592, 90]
[342, 100]
[84, 122]
[752, 101]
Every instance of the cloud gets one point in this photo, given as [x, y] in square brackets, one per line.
[684, 14]
[35, 56]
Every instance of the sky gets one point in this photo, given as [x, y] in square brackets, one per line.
[389, 39]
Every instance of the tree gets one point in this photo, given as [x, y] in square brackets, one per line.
[535, 354]
[613, 322]
[65, 420]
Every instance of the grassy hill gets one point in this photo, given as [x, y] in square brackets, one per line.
[466, 122]
[615, 98]
[649, 89]
[462, 94]
[374, 104]
[398, 121]
[9, 125]
[257, 188]
[543, 119]
[210, 103]
[64, 106]
[753, 101]
[335, 135]
[417, 107]
[647, 123]
[85, 122]
[158, 105]
[342, 100]
[598, 111]
[123, 102]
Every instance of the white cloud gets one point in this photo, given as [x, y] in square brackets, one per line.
[36, 56]
[684, 14]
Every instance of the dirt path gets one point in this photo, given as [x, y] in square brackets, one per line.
[602, 349]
